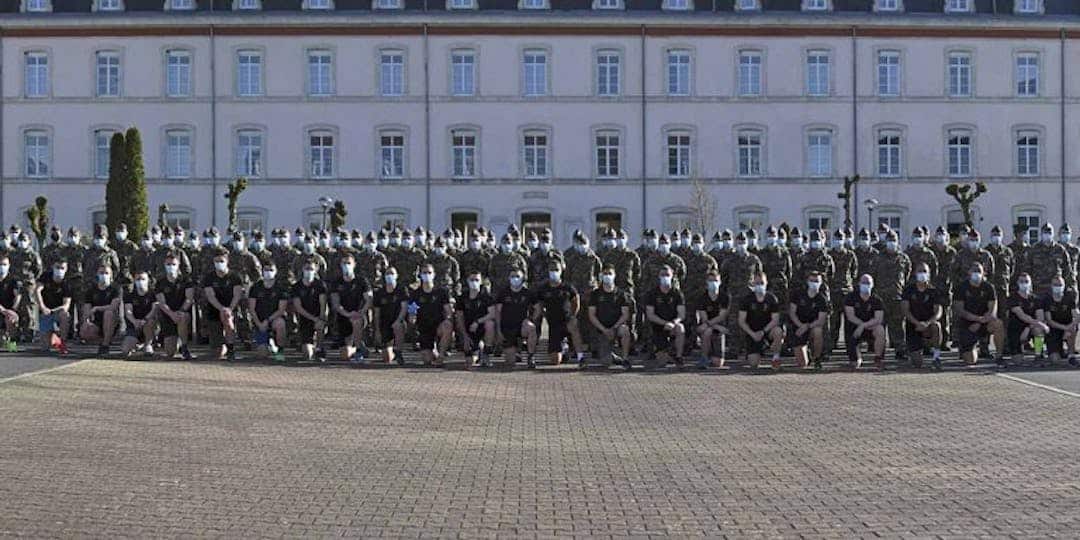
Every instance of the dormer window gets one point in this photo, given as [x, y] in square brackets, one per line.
[386, 4]
[815, 5]
[36, 6]
[888, 5]
[678, 5]
[958, 6]
[108, 5]
[748, 5]
[460, 4]
[607, 4]
[1028, 7]
[319, 5]
[179, 5]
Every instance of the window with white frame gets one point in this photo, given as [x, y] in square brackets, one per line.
[1027, 6]
[178, 218]
[894, 219]
[678, 72]
[387, 4]
[535, 153]
[749, 73]
[37, 6]
[462, 4]
[957, 6]
[888, 5]
[815, 5]
[108, 73]
[607, 154]
[677, 5]
[320, 73]
[533, 4]
[250, 220]
[1027, 74]
[463, 150]
[247, 4]
[102, 152]
[959, 152]
[607, 4]
[36, 74]
[248, 73]
[748, 5]
[959, 74]
[318, 4]
[888, 72]
[749, 152]
[321, 154]
[463, 72]
[607, 73]
[888, 152]
[819, 220]
[535, 75]
[392, 73]
[817, 73]
[751, 219]
[1027, 153]
[392, 219]
[38, 155]
[177, 73]
[1031, 221]
[109, 5]
[678, 154]
[249, 153]
[392, 154]
[181, 5]
[178, 153]
[819, 152]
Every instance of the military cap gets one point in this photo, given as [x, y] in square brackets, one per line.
[1047, 228]
[940, 230]
[439, 242]
[256, 234]
[770, 230]
[73, 230]
[716, 236]
[726, 233]
[101, 230]
[848, 232]
[649, 233]
[356, 233]
[740, 236]
[815, 235]
[299, 231]
[406, 234]
[213, 231]
[178, 230]
[121, 227]
[996, 229]
[695, 238]
[838, 234]
[751, 234]
[890, 236]
[664, 239]
[14, 229]
[863, 233]
[1064, 228]
[610, 233]
[371, 236]
[237, 236]
[973, 233]
[795, 232]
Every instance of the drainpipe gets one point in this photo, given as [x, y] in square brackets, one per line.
[427, 135]
[644, 162]
[855, 125]
[1061, 101]
[3, 177]
[213, 126]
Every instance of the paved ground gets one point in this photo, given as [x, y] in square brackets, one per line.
[110, 448]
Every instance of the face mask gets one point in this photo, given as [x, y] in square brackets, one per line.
[607, 279]
[1065, 238]
[347, 270]
[865, 288]
[383, 242]
[545, 246]
[837, 244]
[257, 245]
[609, 244]
[976, 278]
[121, 236]
[324, 243]
[917, 241]
[665, 281]
[995, 240]
[515, 281]
[891, 245]
[942, 239]
[771, 241]
[697, 248]
[141, 285]
[104, 279]
[758, 288]
[813, 286]
[1024, 286]
[652, 243]
[507, 248]
[426, 277]
[712, 286]
[533, 244]
[622, 243]
[796, 243]
[156, 237]
[440, 251]
[73, 240]
[372, 246]
[582, 248]
[172, 270]
[215, 241]
[99, 242]
[4, 269]
[665, 248]
[168, 242]
[973, 244]
[922, 277]
[815, 244]
[554, 275]
[24, 244]
[221, 266]
[1058, 290]
[864, 242]
[238, 245]
[309, 275]
[147, 244]
[407, 242]
[740, 247]
[58, 274]
[309, 247]
[474, 284]
[474, 245]
[269, 275]
[391, 279]
[395, 242]
[1047, 238]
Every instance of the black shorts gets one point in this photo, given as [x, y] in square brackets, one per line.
[131, 330]
[915, 340]
[661, 338]
[757, 347]
[1013, 343]
[795, 340]
[166, 327]
[511, 333]
[866, 337]
[557, 332]
[427, 333]
[966, 340]
[344, 326]
[305, 331]
[1055, 342]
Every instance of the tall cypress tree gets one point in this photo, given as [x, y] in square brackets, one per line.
[114, 199]
[135, 206]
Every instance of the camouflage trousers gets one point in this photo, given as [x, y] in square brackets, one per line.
[894, 324]
[27, 314]
[836, 322]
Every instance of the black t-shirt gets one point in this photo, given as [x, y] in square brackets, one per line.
[266, 298]
[665, 304]
[223, 285]
[389, 303]
[515, 306]
[921, 304]
[430, 303]
[976, 299]
[608, 305]
[808, 308]
[713, 306]
[864, 309]
[309, 294]
[141, 304]
[555, 298]
[1061, 311]
[9, 291]
[1028, 305]
[758, 314]
[97, 297]
[474, 308]
[53, 293]
[174, 292]
[351, 293]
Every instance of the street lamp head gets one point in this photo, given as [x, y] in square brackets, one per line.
[870, 203]
[325, 201]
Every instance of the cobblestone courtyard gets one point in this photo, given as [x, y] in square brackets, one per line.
[110, 448]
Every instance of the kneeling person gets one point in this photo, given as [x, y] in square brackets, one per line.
[268, 302]
[809, 311]
[391, 301]
[712, 314]
[431, 311]
[53, 295]
[665, 309]
[223, 290]
[309, 304]
[175, 296]
[101, 310]
[351, 302]
[475, 317]
[10, 300]
[759, 319]
[141, 312]
[865, 316]
[922, 308]
[976, 310]
[512, 309]
[1024, 322]
[558, 302]
[1060, 313]
[609, 314]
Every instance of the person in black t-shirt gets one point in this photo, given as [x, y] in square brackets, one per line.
[309, 305]
[558, 302]
[141, 312]
[712, 314]
[1024, 321]
[431, 309]
[101, 310]
[223, 290]
[976, 310]
[1060, 313]
[864, 314]
[809, 312]
[759, 319]
[53, 295]
[175, 296]
[609, 314]
[475, 319]
[665, 309]
[268, 303]
[512, 315]
[350, 301]
[390, 307]
[921, 304]
[10, 299]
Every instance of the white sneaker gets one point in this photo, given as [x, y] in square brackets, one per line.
[148, 349]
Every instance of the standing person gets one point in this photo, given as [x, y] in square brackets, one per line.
[809, 312]
[759, 319]
[390, 301]
[10, 301]
[431, 312]
[976, 311]
[922, 307]
[101, 310]
[222, 289]
[582, 271]
[176, 296]
[512, 308]
[712, 316]
[1060, 313]
[53, 294]
[309, 305]
[665, 309]
[1024, 321]
[268, 304]
[1004, 266]
[609, 315]
[475, 319]
[943, 282]
[865, 316]
[141, 312]
[892, 268]
[558, 303]
[351, 301]
[841, 285]
[25, 266]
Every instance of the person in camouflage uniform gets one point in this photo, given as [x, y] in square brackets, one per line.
[735, 275]
[447, 270]
[258, 247]
[310, 253]
[776, 263]
[203, 261]
[370, 262]
[865, 253]
[796, 245]
[283, 255]
[244, 262]
[1046, 260]
[968, 255]
[918, 253]
[25, 267]
[143, 259]
[406, 259]
[50, 252]
[815, 259]
[943, 281]
[124, 248]
[1065, 238]
[626, 263]
[538, 261]
[698, 265]
[582, 270]
[892, 269]
[502, 263]
[99, 253]
[475, 258]
[678, 247]
[841, 285]
[170, 243]
[1019, 247]
[722, 247]
[335, 254]
[1004, 267]
[73, 252]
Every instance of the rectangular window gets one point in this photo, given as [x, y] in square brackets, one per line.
[607, 4]
[888, 153]
[678, 72]
[108, 5]
[533, 4]
[248, 220]
[37, 6]
[178, 154]
[463, 73]
[180, 5]
[247, 4]
[751, 220]
[888, 5]
[959, 75]
[38, 164]
[535, 147]
[461, 4]
[678, 155]
[102, 144]
[607, 154]
[749, 153]
[1027, 153]
[817, 73]
[108, 74]
[819, 221]
[37, 74]
[535, 63]
[463, 144]
[1027, 75]
[388, 4]
[321, 154]
[607, 73]
[1027, 6]
[959, 152]
[748, 4]
[392, 155]
[816, 5]
[680, 5]
[249, 73]
[178, 73]
[249, 152]
[320, 73]
[749, 73]
[888, 67]
[957, 5]
[819, 153]
[318, 4]
[891, 219]
[1032, 223]
[392, 73]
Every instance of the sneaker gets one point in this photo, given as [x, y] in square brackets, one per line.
[320, 355]
[62, 349]
[817, 364]
[530, 363]
[103, 350]
[937, 364]
[856, 365]
[186, 352]
[11, 346]
[1073, 361]
[231, 355]
[148, 350]
[776, 364]
[582, 363]
[357, 359]
[1002, 363]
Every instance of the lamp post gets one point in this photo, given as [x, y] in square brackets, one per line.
[870, 205]
[326, 202]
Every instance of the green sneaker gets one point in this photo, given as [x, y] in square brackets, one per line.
[6, 344]
[11, 346]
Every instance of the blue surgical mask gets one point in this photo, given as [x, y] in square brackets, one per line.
[665, 281]
[865, 288]
[515, 281]
[554, 275]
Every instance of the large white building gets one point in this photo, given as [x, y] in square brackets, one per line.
[561, 113]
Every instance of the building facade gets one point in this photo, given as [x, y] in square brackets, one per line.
[564, 114]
